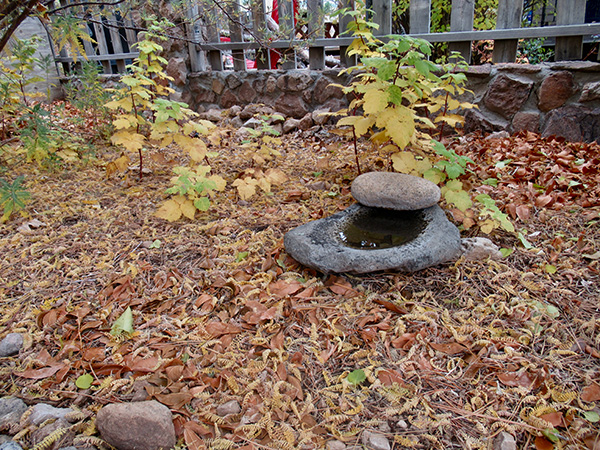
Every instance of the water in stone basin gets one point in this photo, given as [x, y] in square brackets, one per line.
[379, 228]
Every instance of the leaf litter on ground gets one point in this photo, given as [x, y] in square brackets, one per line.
[451, 356]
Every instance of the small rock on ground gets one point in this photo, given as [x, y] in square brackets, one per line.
[42, 412]
[134, 426]
[375, 441]
[505, 441]
[480, 248]
[336, 445]
[11, 344]
[10, 445]
[11, 410]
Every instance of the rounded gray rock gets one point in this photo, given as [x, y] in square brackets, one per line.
[393, 190]
[137, 426]
[11, 410]
[319, 245]
[11, 344]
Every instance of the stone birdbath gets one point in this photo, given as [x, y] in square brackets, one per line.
[396, 225]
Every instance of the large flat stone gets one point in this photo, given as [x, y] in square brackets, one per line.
[318, 245]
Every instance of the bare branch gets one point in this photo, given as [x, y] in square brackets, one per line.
[73, 5]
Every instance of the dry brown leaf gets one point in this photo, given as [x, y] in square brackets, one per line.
[541, 443]
[591, 393]
[449, 348]
[38, 374]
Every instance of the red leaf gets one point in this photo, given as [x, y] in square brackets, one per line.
[38, 374]
[542, 443]
[389, 377]
[591, 393]
[555, 418]
[449, 348]
[217, 329]
[284, 288]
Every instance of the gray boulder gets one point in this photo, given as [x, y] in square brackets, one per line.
[396, 191]
[11, 344]
[136, 426]
[320, 244]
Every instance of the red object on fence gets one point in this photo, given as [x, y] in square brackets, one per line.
[275, 55]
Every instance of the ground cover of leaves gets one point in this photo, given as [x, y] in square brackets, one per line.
[453, 355]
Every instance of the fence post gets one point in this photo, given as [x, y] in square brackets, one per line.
[509, 16]
[383, 16]
[258, 17]
[569, 12]
[461, 19]
[215, 59]
[316, 55]
[345, 60]
[235, 32]
[287, 22]
[420, 16]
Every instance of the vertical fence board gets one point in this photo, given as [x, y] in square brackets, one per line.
[215, 58]
[383, 16]
[287, 23]
[236, 34]
[344, 20]
[259, 25]
[461, 19]
[509, 16]
[316, 55]
[420, 16]
[102, 48]
[115, 39]
[569, 12]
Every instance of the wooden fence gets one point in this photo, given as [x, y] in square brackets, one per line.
[568, 32]
[245, 29]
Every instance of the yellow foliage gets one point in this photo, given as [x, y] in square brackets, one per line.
[130, 141]
[175, 207]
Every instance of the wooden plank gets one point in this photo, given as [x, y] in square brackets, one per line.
[102, 48]
[461, 19]
[382, 17]
[316, 55]
[258, 17]
[344, 20]
[286, 23]
[420, 16]
[115, 40]
[235, 32]
[214, 56]
[569, 12]
[509, 16]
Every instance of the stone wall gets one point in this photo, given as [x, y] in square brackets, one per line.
[554, 98]
[32, 26]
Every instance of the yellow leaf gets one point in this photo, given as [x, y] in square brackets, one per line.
[276, 176]
[123, 122]
[219, 182]
[404, 162]
[187, 207]
[130, 141]
[488, 225]
[450, 119]
[124, 103]
[264, 184]
[361, 124]
[202, 170]
[246, 188]
[391, 148]
[423, 165]
[399, 124]
[197, 151]
[120, 164]
[169, 210]
[375, 101]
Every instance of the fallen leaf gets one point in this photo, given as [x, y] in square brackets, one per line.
[38, 374]
[591, 393]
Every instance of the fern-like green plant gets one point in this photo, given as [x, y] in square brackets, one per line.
[13, 197]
